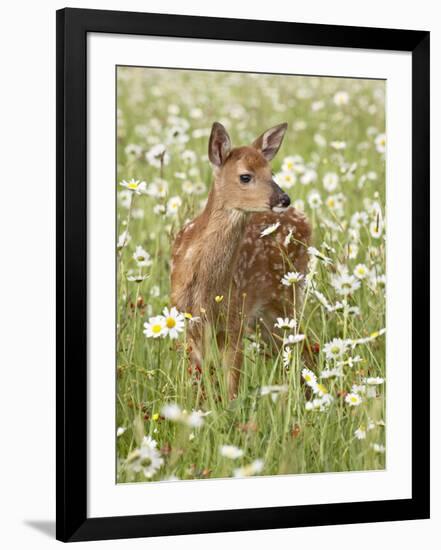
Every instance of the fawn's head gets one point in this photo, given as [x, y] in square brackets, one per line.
[243, 176]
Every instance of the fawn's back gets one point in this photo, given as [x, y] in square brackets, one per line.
[263, 261]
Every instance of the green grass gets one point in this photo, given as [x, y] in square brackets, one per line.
[152, 373]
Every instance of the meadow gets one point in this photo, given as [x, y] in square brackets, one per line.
[290, 417]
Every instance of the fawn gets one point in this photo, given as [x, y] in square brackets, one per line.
[221, 251]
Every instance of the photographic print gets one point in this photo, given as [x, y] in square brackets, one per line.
[251, 274]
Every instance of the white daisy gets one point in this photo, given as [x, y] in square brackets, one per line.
[189, 156]
[308, 177]
[336, 372]
[361, 271]
[133, 150]
[195, 112]
[285, 323]
[352, 251]
[195, 419]
[158, 189]
[309, 377]
[136, 186]
[173, 109]
[374, 381]
[314, 199]
[319, 403]
[293, 339]
[273, 390]
[173, 322]
[320, 140]
[350, 361]
[322, 299]
[147, 459]
[155, 291]
[270, 229]
[334, 203]
[172, 412]
[138, 213]
[287, 356]
[358, 388]
[359, 219]
[137, 278]
[360, 433]
[378, 448]
[380, 143]
[341, 98]
[123, 239]
[312, 251]
[291, 278]
[376, 228]
[199, 188]
[293, 164]
[230, 451]
[345, 284]
[319, 389]
[159, 209]
[188, 187]
[353, 399]
[338, 145]
[125, 198]
[251, 469]
[369, 338]
[336, 348]
[286, 180]
[330, 181]
[155, 327]
[142, 257]
[288, 238]
[317, 105]
[173, 205]
[157, 155]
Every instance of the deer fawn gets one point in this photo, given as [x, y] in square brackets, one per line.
[221, 252]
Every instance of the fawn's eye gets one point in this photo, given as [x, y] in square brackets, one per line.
[245, 178]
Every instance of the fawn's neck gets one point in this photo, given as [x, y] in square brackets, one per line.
[221, 234]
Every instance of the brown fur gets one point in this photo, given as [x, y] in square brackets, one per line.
[221, 253]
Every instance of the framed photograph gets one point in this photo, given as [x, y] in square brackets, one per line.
[242, 274]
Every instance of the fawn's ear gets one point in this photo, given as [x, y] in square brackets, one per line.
[219, 144]
[270, 141]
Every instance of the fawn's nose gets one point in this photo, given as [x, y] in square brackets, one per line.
[279, 200]
[285, 201]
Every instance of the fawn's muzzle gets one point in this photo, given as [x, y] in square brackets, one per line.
[279, 200]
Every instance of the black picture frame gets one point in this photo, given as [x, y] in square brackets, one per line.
[71, 157]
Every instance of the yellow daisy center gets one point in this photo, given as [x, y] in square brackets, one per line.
[171, 323]
[156, 329]
[132, 185]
